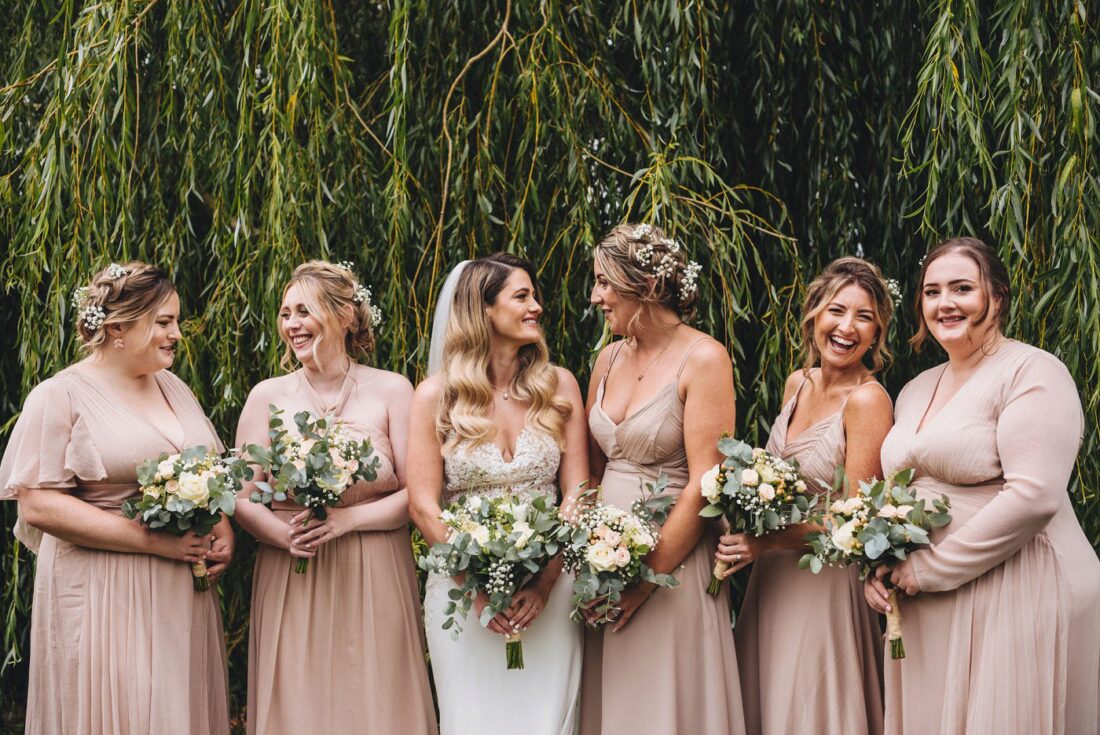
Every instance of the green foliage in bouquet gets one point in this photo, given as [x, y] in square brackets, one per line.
[312, 467]
[608, 545]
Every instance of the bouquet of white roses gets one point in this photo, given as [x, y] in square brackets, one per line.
[497, 545]
[185, 492]
[755, 491]
[312, 466]
[608, 544]
[880, 525]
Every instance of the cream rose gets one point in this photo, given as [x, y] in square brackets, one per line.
[601, 557]
[166, 469]
[708, 484]
[767, 474]
[480, 534]
[844, 537]
[193, 487]
[766, 491]
[622, 557]
[749, 477]
[888, 511]
[612, 537]
[525, 533]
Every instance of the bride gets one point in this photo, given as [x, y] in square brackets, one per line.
[496, 418]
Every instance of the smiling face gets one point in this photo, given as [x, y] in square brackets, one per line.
[304, 332]
[514, 315]
[618, 311]
[149, 345]
[953, 301]
[845, 328]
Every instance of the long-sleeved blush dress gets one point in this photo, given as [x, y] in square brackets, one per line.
[120, 642]
[1004, 636]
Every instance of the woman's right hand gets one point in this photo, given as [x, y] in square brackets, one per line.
[875, 592]
[499, 624]
[190, 547]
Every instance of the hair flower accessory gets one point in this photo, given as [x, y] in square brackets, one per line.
[346, 265]
[688, 286]
[92, 317]
[894, 289]
[362, 295]
[116, 271]
[80, 295]
[641, 231]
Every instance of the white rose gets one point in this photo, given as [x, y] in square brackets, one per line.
[193, 487]
[767, 474]
[166, 469]
[612, 537]
[844, 537]
[153, 490]
[601, 557]
[473, 504]
[708, 485]
[766, 491]
[622, 557]
[643, 538]
[839, 506]
[519, 512]
[480, 534]
[888, 511]
[525, 533]
[749, 477]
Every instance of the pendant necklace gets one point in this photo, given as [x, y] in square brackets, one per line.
[658, 357]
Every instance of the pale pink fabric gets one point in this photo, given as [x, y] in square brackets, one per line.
[338, 649]
[1005, 635]
[808, 647]
[673, 669]
[120, 643]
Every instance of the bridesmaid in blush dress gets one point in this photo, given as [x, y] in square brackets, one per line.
[339, 648]
[121, 643]
[658, 402]
[1002, 622]
[809, 650]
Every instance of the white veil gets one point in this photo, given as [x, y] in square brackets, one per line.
[442, 318]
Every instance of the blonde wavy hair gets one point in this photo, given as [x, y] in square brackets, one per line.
[328, 292]
[840, 273]
[467, 395]
[128, 295]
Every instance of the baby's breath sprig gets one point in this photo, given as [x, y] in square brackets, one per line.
[93, 317]
[80, 295]
[362, 294]
[894, 289]
[665, 266]
[116, 271]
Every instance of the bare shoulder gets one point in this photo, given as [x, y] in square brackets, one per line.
[604, 358]
[794, 382]
[869, 401]
[266, 391]
[394, 384]
[709, 354]
[567, 382]
[429, 390]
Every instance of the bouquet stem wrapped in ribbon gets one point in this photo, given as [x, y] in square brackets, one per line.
[879, 526]
[312, 466]
[755, 491]
[185, 492]
[607, 547]
[496, 546]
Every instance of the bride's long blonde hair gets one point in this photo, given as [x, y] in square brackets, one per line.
[467, 393]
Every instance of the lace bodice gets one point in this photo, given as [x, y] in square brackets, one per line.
[482, 470]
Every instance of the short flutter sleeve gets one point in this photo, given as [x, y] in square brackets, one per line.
[51, 446]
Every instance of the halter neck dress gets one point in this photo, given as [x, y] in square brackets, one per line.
[809, 633]
[120, 642]
[338, 649]
[673, 668]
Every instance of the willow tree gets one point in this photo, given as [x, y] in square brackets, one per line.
[230, 141]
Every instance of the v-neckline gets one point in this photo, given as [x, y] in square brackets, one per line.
[107, 394]
[514, 452]
[925, 419]
[341, 398]
[644, 406]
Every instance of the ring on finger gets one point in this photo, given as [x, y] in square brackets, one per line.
[736, 558]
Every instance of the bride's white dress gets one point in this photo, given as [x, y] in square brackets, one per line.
[477, 694]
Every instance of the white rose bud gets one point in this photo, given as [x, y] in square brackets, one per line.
[766, 491]
[166, 469]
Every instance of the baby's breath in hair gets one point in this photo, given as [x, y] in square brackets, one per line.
[116, 271]
[93, 317]
[665, 266]
[895, 291]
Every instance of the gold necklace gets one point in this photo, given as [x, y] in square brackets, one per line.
[663, 350]
[504, 391]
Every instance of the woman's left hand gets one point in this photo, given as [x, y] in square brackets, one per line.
[526, 606]
[221, 551]
[318, 532]
[632, 599]
[902, 576]
[739, 550]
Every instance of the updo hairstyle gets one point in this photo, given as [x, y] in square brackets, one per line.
[330, 293]
[119, 294]
[642, 263]
[995, 283]
[839, 274]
